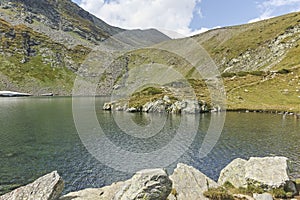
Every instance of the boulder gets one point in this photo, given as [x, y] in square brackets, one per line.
[191, 107]
[234, 173]
[167, 99]
[152, 184]
[189, 183]
[105, 193]
[156, 106]
[264, 196]
[107, 106]
[177, 107]
[147, 106]
[48, 187]
[268, 172]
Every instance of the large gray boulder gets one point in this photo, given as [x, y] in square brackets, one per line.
[234, 173]
[48, 187]
[269, 172]
[150, 184]
[189, 183]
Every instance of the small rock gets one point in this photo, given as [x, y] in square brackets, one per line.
[132, 109]
[243, 197]
[107, 106]
[167, 99]
[265, 196]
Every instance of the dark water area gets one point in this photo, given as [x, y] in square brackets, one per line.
[38, 135]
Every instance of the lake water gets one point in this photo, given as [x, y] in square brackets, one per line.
[38, 135]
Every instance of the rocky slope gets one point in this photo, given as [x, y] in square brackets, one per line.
[258, 63]
[44, 43]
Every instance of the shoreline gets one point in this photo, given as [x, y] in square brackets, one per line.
[240, 179]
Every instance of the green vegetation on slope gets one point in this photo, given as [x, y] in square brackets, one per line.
[32, 62]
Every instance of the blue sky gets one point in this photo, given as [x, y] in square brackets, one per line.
[186, 17]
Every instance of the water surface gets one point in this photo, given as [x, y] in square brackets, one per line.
[38, 136]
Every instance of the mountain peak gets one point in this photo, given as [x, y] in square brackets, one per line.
[60, 15]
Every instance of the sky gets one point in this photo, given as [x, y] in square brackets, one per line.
[185, 17]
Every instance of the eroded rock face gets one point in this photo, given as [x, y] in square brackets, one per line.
[189, 183]
[150, 184]
[48, 187]
[234, 173]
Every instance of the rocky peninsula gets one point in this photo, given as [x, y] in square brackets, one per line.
[254, 179]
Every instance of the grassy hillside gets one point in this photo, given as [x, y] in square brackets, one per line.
[258, 62]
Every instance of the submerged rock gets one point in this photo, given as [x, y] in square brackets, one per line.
[48, 187]
[189, 183]
[150, 184]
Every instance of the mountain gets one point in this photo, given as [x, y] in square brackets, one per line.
[44, 43]
[259, 64]
[47, 45]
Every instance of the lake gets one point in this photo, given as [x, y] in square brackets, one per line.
[38, 135]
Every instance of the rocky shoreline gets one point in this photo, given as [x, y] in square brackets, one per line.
[254, 179]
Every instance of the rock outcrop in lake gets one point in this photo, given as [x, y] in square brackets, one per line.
[48, 187]
[161, 106]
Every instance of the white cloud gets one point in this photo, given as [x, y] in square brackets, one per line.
[141, 14]
[271, 8]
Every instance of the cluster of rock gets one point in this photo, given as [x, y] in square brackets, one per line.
[154, 184]
[265, 55]
[162, 106]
